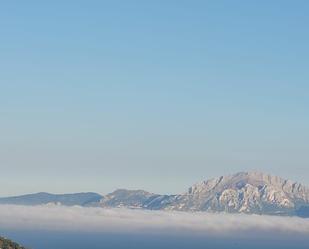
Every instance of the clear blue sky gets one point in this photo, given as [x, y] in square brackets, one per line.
[97, 95]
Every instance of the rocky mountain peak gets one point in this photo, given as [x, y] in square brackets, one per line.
[255, 192]
[241, 179]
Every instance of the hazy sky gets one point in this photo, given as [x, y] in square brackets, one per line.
[97, 95]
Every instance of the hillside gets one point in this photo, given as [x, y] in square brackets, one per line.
[8, 244]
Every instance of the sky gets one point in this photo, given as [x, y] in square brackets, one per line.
[154, 95]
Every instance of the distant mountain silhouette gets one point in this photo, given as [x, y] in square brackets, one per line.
[46, 198]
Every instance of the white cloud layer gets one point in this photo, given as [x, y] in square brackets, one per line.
[60, 218]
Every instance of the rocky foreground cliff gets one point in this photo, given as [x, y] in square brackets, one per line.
[8, 244]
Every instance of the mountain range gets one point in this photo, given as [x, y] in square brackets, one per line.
[244, 192]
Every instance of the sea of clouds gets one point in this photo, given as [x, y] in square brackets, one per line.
[62, 218]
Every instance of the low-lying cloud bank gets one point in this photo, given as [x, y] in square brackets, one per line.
[60, 218]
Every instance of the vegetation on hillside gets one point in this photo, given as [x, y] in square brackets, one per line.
[8, 244]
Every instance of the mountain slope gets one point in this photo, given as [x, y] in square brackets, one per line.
[45, 198]
[127, 198]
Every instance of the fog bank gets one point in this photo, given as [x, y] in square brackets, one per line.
[61, 218]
